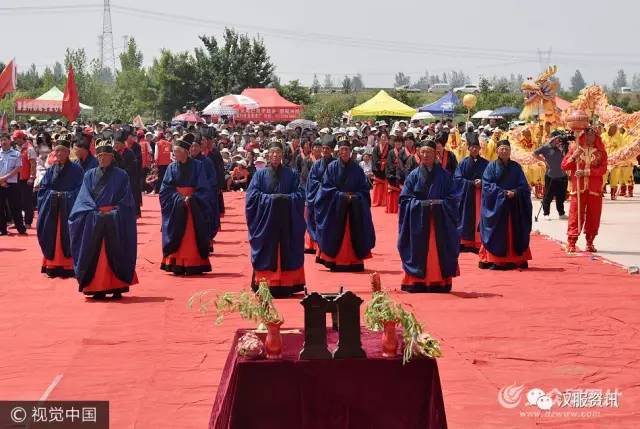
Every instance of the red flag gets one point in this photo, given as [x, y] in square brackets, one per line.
[71, 100]
[8, 78]
[4, 123]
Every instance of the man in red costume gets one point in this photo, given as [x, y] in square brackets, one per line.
[585, 164]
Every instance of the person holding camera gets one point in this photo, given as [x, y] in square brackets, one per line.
[555, 179]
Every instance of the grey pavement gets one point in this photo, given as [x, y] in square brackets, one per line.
[619, 237]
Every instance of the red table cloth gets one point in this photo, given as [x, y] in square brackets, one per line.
[370, 393]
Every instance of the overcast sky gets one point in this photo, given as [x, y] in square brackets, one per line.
[488, 37]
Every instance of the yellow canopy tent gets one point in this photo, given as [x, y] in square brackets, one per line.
[382, 104]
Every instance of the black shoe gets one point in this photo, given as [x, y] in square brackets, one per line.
[524, 265]
[99, 296]
[22, 233]
[117, 295]
[485, 265]
[440, 289]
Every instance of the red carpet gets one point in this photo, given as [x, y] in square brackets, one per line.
[568, 322]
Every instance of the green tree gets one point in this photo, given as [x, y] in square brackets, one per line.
[401, 80]
[577, 82]
[132, 93]
[173, 78]
[78, 59]
[58, 73]
[295, 92]
[230, 67]
[356, 82]
[635, 82]
[30, 81]
[484, 85]
[490, 100]
[458, 78]
[48, 80]
[620, 80]
[328, 82]
[327, 108]
[315, 86]
[100, 93]
[346, 85]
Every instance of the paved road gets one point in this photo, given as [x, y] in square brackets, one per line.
[619, 236]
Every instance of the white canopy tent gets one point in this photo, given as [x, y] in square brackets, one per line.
[483, 114]
[54, 94]
[421, 116]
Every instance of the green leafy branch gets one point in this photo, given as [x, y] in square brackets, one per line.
[257, 307]
[383, 309]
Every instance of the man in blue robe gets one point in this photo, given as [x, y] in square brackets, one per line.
[187, 215]
[84, 158]
[275, 219]
[428, 240]
[57, 193]
[314, 181]
[505, 222]
[218, 164]
[212, 178]
[468, 180]
[343, 214]
[126, 160]
[102, 229]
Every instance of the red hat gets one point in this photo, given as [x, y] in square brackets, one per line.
[160, 135]
[18, 134]
[140, 133]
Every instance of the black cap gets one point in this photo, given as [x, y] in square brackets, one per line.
[343, 140]
[277, 144]
[504, 142]
[317, 142]
[185, 141]
[103, 146]
[429, 143]
[64, 140]
[328, 140]
[472, 139]
[442, 137]
[81, 142]
[121, 135]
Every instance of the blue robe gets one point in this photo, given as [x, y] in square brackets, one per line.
[332, 208]
[88, 226]
[212, 178]
[57, 194]
[314, 181]
[466, 173]
[275, 216]
[174, 213]
[496, 207]
[415, 221]
[89, 162]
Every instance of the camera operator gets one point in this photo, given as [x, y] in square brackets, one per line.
[555, 179]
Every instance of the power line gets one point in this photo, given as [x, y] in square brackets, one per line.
[398, 47]
[355, 42]
[47, 8]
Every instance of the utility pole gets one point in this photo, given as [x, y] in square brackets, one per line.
[107, 55]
